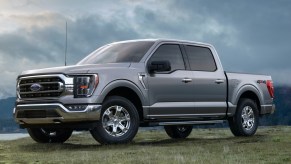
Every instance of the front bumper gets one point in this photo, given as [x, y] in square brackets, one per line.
[54, 113]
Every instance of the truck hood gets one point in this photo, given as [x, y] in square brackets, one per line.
[74, 69]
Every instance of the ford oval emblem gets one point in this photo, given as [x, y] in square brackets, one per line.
[35, 87]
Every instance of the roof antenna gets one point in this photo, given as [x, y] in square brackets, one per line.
[66, 44]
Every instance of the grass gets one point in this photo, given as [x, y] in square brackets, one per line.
[269, 145]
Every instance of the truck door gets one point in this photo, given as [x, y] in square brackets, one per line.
[210, 85]
[170, 94]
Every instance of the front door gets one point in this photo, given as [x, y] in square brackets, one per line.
[171, 92]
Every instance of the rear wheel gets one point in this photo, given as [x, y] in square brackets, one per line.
[43, 135]
[178, 131]
[119, 121]
[246, 119]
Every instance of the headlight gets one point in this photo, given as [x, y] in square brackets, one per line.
[84, 85]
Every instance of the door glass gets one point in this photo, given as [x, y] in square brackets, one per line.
[200, 58]
[172, 53]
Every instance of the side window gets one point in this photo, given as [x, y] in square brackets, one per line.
[172, 53]
[200, 58]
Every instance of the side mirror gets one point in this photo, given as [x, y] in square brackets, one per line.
[159, 66]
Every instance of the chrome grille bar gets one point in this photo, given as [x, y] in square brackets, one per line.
[51, 86]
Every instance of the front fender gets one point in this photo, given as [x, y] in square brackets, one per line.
[122, 83]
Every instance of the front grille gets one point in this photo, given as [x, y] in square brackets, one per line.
[46, 87]
[40, 80]
[37, 114]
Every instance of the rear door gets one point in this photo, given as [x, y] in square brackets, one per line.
[209, 81]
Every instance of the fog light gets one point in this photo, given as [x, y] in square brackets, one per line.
[76, 107]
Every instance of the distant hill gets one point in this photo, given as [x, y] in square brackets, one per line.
[4, 94]
[7, 123]
[282, 115]
[6, 108]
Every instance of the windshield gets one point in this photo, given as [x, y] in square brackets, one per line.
[118, 53]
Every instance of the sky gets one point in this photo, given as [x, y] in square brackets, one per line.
[249, 36]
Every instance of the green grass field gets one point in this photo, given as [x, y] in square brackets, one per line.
[269, 145]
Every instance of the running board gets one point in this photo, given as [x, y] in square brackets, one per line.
[191, 122]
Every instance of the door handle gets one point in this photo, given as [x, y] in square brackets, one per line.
[218, 81]
[186, 80]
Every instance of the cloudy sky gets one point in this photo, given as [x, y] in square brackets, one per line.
[250, 36]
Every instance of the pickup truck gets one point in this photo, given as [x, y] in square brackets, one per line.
[151, 82]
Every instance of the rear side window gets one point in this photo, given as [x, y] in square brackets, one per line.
[172, 53]
[200, 58]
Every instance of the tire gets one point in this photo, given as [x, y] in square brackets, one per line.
[178, 131]
[42, 135]
[246, 119]
[119, 121]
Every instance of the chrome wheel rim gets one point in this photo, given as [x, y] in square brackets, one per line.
[248, 118]
[49, 133]
[181, 128]
[116, 121]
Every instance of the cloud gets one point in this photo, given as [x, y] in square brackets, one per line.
[257, 33]
[41, 45]
[252, 36]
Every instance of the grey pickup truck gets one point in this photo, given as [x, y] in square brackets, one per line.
[152, 82]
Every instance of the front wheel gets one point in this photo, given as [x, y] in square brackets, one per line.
[246, 119]
[119, 121]
[178, 131]
[43, 135]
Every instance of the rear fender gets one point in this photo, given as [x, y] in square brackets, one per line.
[236, 97]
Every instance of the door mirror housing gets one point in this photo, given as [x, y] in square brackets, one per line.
[159, 66]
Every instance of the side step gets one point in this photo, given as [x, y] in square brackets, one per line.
[191, 122]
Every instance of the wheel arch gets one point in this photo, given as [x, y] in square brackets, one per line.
[251, 92]
[127, 90]
[251, 95]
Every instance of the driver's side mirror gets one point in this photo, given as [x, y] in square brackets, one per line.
[159, 66]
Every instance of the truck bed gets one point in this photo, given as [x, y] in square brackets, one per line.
[237, 82]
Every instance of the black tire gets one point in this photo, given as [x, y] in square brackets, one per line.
[109, 127]
[42, 135]
[178, 131]
[236, 123]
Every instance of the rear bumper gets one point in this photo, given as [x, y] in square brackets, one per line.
[268, 109]
[54, 113]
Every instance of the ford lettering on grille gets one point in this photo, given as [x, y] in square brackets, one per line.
[35, 87]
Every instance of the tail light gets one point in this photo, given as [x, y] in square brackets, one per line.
[84, 86]
[270, 88]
